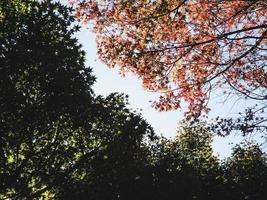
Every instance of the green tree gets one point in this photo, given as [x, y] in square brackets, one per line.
[45, 94]
[56, 135]
[118, 154]
[187, 167]
[245, 173]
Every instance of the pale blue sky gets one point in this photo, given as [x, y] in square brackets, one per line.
[165, 123]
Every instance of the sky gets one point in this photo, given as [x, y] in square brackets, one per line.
[164, 123]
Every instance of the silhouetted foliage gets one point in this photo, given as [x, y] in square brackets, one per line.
[252, 121]
[183, 168]
[245, 173]
[45, 94]
[52, 125]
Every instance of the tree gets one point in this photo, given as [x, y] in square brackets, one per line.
[245, 173]
[45, 94]
[185, 49]
[54, 132]
[186, 166]
[117, 155]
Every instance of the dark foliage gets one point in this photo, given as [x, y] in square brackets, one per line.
[45, 94]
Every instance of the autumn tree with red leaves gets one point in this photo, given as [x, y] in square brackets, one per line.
[185, 49]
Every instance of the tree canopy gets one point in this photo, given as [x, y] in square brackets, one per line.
[184, 49]
[184, 167]
[50, 120]
[58, 140]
